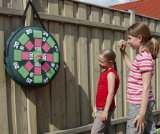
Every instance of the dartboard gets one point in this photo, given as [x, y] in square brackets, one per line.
[32, 56]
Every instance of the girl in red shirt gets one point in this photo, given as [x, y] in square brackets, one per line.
[106, 90]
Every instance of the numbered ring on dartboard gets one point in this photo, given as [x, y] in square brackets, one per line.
[32, 56]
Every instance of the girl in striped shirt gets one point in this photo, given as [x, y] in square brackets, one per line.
[139, 87]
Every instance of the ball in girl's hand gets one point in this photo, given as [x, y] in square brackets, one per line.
[118, 44]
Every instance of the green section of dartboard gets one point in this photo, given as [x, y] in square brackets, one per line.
[13, 56]
[23, 39]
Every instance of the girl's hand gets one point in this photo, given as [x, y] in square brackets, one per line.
[140, 123]
[123, 45]
[104, 116]
[94, 112]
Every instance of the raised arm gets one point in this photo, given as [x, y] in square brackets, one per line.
[124, 54]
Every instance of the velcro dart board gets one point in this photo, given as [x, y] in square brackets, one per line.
[32, 56]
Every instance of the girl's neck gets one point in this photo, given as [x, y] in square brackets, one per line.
[108, 68]
[141, 48]
[105, 69]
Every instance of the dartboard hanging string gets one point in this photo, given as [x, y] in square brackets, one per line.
[31, 54]
[34, 11]
[24, 17]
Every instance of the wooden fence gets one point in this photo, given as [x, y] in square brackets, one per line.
[65, 105]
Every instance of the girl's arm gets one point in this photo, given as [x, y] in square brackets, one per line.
[124, 54]
[111, 86]
[140, 119]
[127, 59]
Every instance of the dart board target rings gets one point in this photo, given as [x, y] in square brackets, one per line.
[32, 56]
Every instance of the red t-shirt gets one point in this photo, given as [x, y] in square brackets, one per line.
[102, 89]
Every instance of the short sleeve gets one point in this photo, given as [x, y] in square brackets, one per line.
[146, 64]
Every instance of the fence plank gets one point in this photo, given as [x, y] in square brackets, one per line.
[152, 25]
[157, 77]
[21, 110]
[20, 95]
[125, 68]
[71, 80]
[125, 78]
[31, 111]
[43, 108]
[96, 14]
[3, 92]
[158, 74]
[72, 93]
[61, 7]
[13, 108]
[145, 21]
[138, 19]
[158, 27]
[68, 8]
[7, 3]
[117, 36]
[41, 5]
[82, 12]
[83, 69]
[106, 18]
[53, 7]
[108, 39]
[121, 128]
[133, 19]
[94, 49]
[119, 100]
[7, 28]
[126, 20]
[58, 92]
[1, 3]
[17, 4]
[116, 18]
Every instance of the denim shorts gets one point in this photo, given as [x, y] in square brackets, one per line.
[133, 111]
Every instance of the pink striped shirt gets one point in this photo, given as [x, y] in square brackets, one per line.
[142, 63]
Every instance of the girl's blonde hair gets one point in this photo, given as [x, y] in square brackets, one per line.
[150, 43]
[110, 56]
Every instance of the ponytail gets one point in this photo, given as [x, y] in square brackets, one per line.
[153, 46]
[115, 65]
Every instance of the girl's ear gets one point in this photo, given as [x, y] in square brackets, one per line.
[140, 38]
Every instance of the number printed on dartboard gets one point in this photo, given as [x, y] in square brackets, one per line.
[34, 56]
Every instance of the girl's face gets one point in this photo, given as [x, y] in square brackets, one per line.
[134, 42]
[103, 62]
